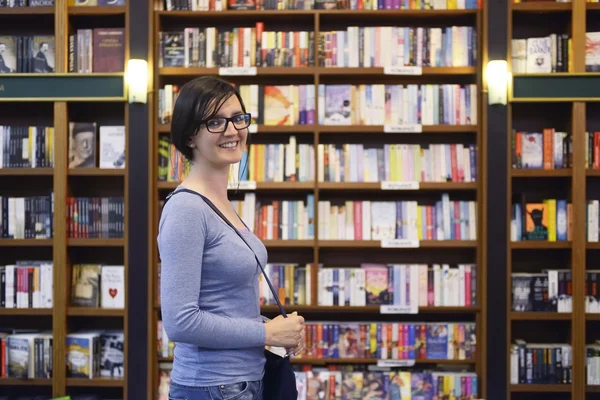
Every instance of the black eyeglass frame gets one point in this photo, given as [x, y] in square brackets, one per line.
[227, 121]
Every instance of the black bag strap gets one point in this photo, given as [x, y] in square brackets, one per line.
[216, 210]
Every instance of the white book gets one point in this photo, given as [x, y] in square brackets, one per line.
[112, 147]
[539, 55]
[112, 286]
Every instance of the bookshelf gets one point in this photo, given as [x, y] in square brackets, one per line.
[319, 248]
[546, 311]
[49, 102]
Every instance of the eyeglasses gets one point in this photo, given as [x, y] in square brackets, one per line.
[220, 124]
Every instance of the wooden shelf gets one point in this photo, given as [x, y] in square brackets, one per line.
[94, 312]
[541, 173]
[377, 186]
[25, 242]
[539, 316]
[25, 311]
[365, 309]
[80, 242]
[541, 388]
[592, 316]
[589, 171]
[377, 244]
[26, 171]
[97, 172]
[592, 6]
[322, 361]
[368, 14]
[541, 7]
[96, 382]
[26, 10]
[97, 10]
[592, 245]
[289, 243]
[592, 388]
[343, 129]
[539, 244]
[25, 382]
[311, 71]
[162, 185]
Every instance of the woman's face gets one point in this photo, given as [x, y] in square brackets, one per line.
[225, 148]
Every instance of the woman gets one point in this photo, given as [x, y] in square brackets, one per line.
[209, 276]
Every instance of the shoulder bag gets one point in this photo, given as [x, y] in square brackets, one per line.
[279, 381]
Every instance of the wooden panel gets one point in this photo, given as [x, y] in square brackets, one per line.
[59, 325]
[578, 251]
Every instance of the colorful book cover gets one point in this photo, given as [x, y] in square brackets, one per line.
[349, 343]
[376, 284]
[337, 105]
[373, 388]
[437, 341]
[536, 221]
[532, 150]
[352, 385]
[279, 105]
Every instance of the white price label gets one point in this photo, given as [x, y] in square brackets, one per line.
[402, 70]
[395, 363]
[253, 128]
[406, 128]
[237, 71]
[390, 309]
[400, 185]
[242, 185]
[399, 243]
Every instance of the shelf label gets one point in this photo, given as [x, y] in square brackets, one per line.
[253, 128]
[395, 363]
[391, 309]
[399, 243]
[400, 185]
[402, 70]
[242, 185]
[237, 71]
[406, 128]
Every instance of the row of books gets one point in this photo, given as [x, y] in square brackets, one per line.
[26, 146]
[27, 284]
[99, 353]
[212, 47]
[348, 104]
[98, 285]
[394, 162]
[359, 219]
[26, 54]
[445, 219]
[392, 46]
[390, 341]
[293, 283]
[408, 286]
[356, 382]
[25, 354]
[549, 220]
[548, 149]
[28, 354]
[29, 217]
[95, 217]
[541, 363]
[592, 150]
[293, 162]
[593, 220]
[278, 219]
[97, 50]
[93, 146]
[375, 340]
[546, 291]
[26, 3]
[537, 55]
[282, 5]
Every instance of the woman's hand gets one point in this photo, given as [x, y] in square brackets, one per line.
[286, 332]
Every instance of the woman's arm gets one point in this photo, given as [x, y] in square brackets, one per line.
[181, 244]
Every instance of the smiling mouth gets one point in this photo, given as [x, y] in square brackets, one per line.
[229, 145]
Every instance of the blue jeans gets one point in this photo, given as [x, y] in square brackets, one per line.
[236, 391]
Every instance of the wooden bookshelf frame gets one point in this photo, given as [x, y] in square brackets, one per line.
[61, 313]
[319, 75]
[577, 175]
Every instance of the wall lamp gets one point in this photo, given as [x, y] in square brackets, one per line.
[497, 82]
[137, 80]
